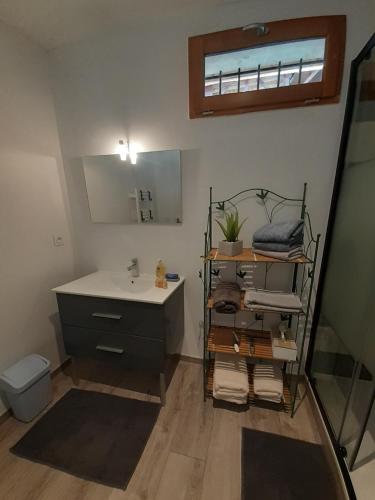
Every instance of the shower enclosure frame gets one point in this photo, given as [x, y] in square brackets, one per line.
[350, 104]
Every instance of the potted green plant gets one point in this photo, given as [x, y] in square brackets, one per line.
[231, 228]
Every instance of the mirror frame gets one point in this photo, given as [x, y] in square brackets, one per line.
[179, 220]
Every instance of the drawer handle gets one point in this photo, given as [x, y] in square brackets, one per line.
[105, 348]
[107, 315]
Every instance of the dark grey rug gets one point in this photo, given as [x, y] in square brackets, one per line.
[91, 435]
[279, 468]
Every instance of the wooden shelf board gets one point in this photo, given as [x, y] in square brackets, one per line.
[249, 256]
[253, 399]
[253, 343]
[210, 305]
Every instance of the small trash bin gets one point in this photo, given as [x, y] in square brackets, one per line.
[27, 385]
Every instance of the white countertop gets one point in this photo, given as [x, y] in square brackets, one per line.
[120, 285]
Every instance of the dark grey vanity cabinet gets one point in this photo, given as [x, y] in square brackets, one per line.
[132, 334]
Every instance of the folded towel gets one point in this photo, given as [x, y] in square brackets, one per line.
[274, 300]
[231, 381]
[281, 310]
[230, 397]
[293, 254]
[280, 232]
[276, 247]
[227, 297]
[268, 382]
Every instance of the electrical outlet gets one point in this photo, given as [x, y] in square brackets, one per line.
[58, 241]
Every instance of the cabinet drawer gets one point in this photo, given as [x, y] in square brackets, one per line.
[127, 350]
[117, 316]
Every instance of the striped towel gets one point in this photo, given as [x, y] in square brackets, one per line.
[231, 381]
[268, 382]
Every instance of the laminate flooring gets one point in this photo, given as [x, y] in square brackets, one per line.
[194, 452]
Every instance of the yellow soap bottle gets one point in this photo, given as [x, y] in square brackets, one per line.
[160, 281]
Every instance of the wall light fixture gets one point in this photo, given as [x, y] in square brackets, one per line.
[127, 149]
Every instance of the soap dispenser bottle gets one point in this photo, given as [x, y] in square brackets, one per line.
[160, 281]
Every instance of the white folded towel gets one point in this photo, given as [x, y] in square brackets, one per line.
[231, 381]
[268, 382]
[230, 397]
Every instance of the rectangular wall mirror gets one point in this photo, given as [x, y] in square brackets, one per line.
[148, 192]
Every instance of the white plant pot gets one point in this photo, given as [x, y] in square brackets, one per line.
[230, 248]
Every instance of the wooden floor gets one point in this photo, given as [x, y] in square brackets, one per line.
[194, 452]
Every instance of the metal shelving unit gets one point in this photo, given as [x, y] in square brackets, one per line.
[256, 343]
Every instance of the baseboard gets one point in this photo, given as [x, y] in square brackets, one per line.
[182, 357]
[331, 455]
[61, 368]
[8, 413]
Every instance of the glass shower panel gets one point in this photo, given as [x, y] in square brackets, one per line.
[333, 369]
[354, 435]
[363, 468]
[357, 440]
[366, 449]
[343, 361]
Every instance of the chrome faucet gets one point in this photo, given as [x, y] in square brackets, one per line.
[134, 268]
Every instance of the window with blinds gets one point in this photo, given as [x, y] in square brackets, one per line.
[286, 63]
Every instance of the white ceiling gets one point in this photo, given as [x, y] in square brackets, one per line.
[52, 23]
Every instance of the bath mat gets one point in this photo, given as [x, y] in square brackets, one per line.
[95, 436]
[279, 468]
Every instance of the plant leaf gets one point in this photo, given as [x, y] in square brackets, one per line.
[232, 227]
[222, 228]
[240, 226]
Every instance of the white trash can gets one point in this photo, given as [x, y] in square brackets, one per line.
[27, 385]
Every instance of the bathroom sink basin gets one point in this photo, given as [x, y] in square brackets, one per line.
[119, 285]
[140, 284]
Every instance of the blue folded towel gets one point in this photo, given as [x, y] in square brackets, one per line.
[289, 233]
[276, 247]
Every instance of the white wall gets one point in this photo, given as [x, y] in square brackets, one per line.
[135, 84]
[32, 206]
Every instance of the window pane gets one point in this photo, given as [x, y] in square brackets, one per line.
[265, 67]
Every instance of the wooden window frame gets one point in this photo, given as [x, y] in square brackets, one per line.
[332, 28]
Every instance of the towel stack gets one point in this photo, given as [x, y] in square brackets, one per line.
[231, 381]
[268, 383]
[227, 297]
[265, 300]
[281, 240]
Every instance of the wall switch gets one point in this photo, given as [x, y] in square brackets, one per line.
[58, 241]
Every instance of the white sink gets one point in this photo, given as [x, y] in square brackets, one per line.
[132, 285]
[119, 285]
